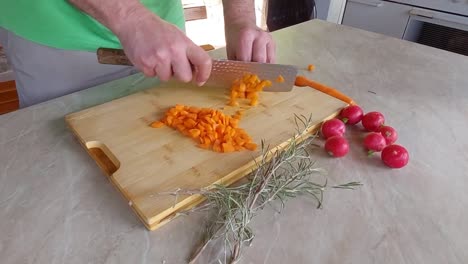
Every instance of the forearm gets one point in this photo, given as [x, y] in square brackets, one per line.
[111, 13]
[236, 11]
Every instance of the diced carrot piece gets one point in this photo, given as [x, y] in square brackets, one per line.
[219, 135]
[259, 87]
[192, 116]
[176, 122]
[238, 148]
[204, 146]
[220, 129]
[209, 128]
[195, 133]
[157, 124]
[169, 120]
[250, 95]
[190, 123]
[254, 102]
[226, 138]
[205, 111]
[200, 126]
[212, 137]
[180, 127]
[310, 67]
[280, 78]
[185, 132]
[234, 94]
[227, 147]
[194, 110]
[242, 88]
[267, 83]
[217, 147]
[179, 107]
[239, 141]
[208, 120]
[173, 111]
[250, 146]
[234, 122]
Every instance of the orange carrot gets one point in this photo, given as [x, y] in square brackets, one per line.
[210, 128]
[157, 124]
[280, 79]
[311, 67]
[303, 81]
[248, 87]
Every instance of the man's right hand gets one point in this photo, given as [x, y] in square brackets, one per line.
[154, 46]
[160, 49]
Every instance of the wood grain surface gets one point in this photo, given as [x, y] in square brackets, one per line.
[144, 161]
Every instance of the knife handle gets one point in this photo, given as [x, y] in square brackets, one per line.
[118, 57]
[113, 56]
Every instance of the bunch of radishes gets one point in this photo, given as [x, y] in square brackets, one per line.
[380, 137]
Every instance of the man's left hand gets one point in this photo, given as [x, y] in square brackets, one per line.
[248, 42]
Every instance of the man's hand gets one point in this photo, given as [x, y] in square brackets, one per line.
[154, 46]
[245, 41]
[160, 49]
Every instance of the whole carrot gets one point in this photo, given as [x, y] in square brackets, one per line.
[303, 81]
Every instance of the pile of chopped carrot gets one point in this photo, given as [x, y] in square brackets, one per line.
[247, 88]
[210, 128]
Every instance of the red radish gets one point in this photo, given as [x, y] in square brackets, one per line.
[351, 115]
[395, 156]
[372, 121]
[374, 142]
[337, 146]
[389, 133]
[333, 127]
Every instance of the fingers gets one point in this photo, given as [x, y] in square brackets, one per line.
[251, 44]
[244, 48]
[259, 50]
[201, 62]
[147, 66]
[271, 52]
[163, 68]
[182, 69]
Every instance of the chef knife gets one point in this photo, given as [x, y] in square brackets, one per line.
[223, 72]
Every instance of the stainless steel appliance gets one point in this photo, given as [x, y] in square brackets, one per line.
[438, 23]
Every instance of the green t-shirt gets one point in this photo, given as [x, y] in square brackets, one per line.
[58, 24]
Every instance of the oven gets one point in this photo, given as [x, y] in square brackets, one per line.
[437, 23]
[438, 29]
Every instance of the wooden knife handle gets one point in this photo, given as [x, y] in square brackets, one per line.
[113, 56]
[118, 57]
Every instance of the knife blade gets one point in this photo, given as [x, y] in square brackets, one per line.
[223, 72]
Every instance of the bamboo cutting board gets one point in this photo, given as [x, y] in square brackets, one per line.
[142, 161]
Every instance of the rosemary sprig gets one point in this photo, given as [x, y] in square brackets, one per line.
[280, 174]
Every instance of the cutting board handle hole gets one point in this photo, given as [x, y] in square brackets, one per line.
[103, 157]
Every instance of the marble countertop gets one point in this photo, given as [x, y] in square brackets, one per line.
[56, 206]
